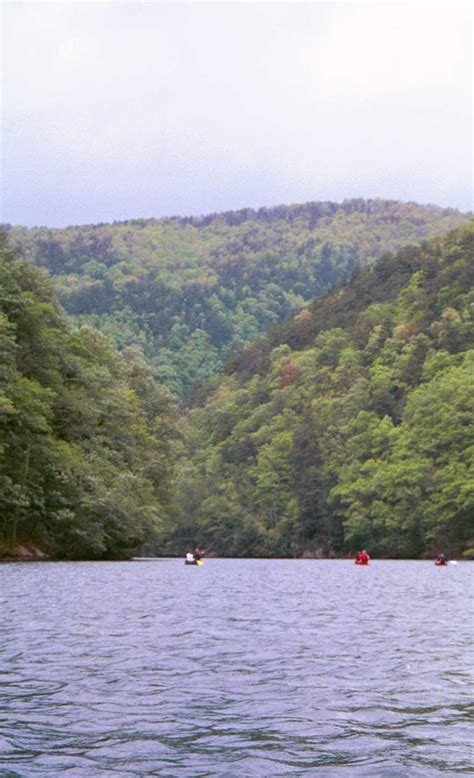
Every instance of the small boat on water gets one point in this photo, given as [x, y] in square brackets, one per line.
[362, 558]
[194, 557]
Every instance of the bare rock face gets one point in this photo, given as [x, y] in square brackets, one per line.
[26, 553]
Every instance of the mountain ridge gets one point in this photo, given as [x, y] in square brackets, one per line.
[350, 426]
[236, 216]
[190, 290]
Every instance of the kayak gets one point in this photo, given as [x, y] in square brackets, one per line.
[356, 562]
[199, 562]
[438, 563]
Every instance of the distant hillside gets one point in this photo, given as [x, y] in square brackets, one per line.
[351, 425]
[189, 291]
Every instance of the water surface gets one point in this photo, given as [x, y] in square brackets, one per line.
[237, 668]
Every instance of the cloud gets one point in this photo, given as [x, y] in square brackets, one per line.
[114, 110]
[375, 50]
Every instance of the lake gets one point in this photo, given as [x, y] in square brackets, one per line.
[236, 668]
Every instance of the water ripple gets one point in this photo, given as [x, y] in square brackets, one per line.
[239, 668]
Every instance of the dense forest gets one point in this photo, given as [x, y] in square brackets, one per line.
[350, 425]
[85, 433]
[190, 291]
[346, 423]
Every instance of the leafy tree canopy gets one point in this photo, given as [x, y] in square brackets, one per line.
[190, 291]
[350, 425]
[86, 434]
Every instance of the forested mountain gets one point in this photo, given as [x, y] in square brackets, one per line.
[188, 291]
[348, 424]
[85, 433]
[351, 425]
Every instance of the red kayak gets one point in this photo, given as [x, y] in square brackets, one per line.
[358, 562]
[439, 563]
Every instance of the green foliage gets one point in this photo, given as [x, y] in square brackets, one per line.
[189, 292]
[351, 425]
[348, 424]
[85, 433]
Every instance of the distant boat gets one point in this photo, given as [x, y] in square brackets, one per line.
[362, 558]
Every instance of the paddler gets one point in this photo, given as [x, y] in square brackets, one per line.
[362, 558]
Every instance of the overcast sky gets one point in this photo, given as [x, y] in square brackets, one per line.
[123, 110]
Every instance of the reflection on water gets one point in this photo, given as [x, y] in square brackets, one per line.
[238, 668]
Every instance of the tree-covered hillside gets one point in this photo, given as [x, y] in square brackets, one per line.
[188, 291]
[351, 425]
[85, 433]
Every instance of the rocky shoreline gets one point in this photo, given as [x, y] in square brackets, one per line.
[24, 553]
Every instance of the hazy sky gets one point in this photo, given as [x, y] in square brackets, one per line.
[121, 110]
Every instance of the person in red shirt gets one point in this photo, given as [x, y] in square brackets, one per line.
[362, 558]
